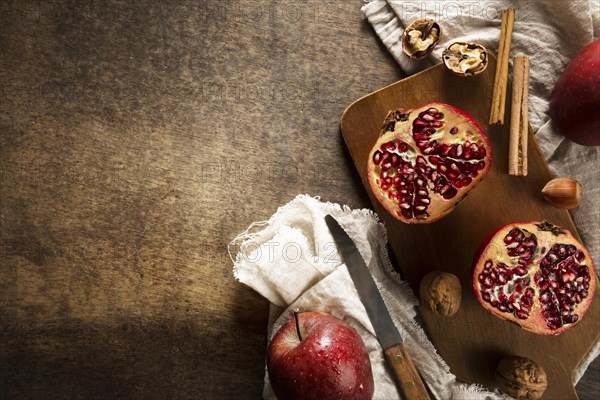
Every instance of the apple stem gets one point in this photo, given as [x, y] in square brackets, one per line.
[296, 317]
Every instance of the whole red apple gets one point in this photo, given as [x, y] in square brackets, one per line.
[316, 355]
[575, 101]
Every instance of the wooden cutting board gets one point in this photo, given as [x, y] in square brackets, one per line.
[473, 340]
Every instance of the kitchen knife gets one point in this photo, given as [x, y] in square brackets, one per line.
[389, 337]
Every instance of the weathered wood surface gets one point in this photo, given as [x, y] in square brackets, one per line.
[136, 140]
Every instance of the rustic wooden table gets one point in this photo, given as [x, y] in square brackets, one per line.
[136, 140]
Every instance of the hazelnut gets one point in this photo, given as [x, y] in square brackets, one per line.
[521, 378]
[562, 193]
[441, 293]
[465, 59]
[420, 37]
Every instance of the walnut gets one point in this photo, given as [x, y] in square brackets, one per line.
[521, 378]
[420, 37]
[465, 59]
[441, 293]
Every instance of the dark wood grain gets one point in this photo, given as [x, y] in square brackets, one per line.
[136, 140]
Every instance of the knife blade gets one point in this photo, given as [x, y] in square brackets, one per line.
[407, 377]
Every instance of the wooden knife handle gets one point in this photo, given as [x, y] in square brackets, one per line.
[406, 374]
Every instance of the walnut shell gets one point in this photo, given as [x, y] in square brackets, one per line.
[420, 37]
[521, 378]
[465, 59]
[441, 292]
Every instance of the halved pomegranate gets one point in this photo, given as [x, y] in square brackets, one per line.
[426, 160]
[535, 274]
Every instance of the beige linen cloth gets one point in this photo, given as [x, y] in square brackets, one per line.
[292, 260]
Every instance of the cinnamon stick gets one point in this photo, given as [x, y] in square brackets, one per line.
[501, 77]
[519, 120]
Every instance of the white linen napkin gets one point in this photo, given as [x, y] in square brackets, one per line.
[292, 261]
[551, 32]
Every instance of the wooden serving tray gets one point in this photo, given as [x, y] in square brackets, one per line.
[473, 340]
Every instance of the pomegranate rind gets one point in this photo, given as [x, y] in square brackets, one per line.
[402, 131]
[494, 246]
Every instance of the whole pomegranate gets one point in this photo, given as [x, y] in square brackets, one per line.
[575, 101]
[535, 274]
[426, 160]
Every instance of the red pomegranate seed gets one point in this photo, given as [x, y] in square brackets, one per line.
[561, 280]
[438, 168]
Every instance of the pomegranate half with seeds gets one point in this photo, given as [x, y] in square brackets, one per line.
[426, 160]
[535, 274]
